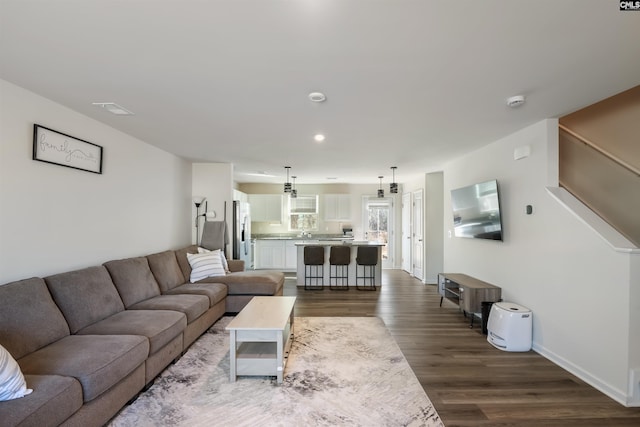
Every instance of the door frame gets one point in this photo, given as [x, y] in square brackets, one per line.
[389, 262]
[407, 209]
[417, 236]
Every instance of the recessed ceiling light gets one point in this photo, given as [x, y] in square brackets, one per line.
[113, 108]
[317, 97]
[319, 137]
[332, 177]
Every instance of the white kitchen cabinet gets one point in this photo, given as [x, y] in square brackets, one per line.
[266, 207]
[290, 254]
[270, 254]
[337, 207]
[276, 254]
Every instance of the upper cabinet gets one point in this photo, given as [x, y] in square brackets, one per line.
[337, 207]
[266, 207]
[239, 195]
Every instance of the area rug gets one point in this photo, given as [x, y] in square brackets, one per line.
[342, 371]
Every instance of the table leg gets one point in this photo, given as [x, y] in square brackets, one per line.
[232, 355]
[280, 357]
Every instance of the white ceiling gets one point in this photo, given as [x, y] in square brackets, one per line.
[411, 84]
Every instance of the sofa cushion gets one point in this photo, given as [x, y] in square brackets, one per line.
[191, 305]
[134, 280]
[29, 319]
[216, 292]
[235, 265]
[166, 270]
[85, 296]
[183, 262]
[12, 383]
[97, 361]
[251, 282]
[54, 399]
[206, 264]
[159, 326]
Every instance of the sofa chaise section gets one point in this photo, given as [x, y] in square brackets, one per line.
[166, 270]
[242, 285]
[92, 306]
[108, 368]
[139, 290]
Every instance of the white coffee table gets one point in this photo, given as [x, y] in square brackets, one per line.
[260, 337]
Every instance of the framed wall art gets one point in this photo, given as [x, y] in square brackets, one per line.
[58, 148]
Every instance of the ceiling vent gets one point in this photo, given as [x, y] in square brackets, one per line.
[113, 108]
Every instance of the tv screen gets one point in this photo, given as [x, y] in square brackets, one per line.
[476, 211]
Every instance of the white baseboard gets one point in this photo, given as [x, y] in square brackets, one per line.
[634, 388]
[616, 394]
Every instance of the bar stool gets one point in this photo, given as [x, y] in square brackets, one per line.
[339, 259]
[313, 267]
[367, 258]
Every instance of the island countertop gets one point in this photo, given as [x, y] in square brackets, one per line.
[334, 243]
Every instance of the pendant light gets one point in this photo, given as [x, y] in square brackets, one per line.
[380, 190]
[393, 187]
[294, 192]
[287, 184]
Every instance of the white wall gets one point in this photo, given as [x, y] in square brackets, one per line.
[434, 233]
[215, 182]
[633, 397]
[550, 262]
[55, 219]
[431, 184]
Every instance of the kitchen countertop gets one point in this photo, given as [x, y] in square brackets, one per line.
[322, 242]
[306, 239]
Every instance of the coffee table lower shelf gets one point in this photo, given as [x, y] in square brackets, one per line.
[261, 359]
[260, 337]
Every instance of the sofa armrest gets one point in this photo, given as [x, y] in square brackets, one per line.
[236, 265]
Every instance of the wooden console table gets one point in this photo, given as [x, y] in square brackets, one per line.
[466, 291]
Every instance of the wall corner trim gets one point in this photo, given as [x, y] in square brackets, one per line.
[617, 241]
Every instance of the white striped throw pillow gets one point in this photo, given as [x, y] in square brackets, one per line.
[208, 264]
[12, 383]
[225, 264]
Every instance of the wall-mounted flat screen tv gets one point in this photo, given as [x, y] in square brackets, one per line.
[476, 211]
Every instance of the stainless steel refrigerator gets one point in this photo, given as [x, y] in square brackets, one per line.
[242, 233]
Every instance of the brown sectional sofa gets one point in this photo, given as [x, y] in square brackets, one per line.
[88, 341]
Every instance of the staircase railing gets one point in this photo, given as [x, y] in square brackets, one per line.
[608, 185]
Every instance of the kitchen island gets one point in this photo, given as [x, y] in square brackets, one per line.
[353, 244]
[273, 252]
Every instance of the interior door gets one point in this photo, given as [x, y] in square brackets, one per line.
[406, 232]
[417, 241]
[378, 226]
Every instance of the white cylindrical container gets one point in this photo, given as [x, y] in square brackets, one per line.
[510, 327]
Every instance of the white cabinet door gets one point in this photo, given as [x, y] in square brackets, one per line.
[270, 254]
[266, 207]
[290, 254]
[337, 207]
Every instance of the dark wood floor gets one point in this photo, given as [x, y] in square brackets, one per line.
[470, 382]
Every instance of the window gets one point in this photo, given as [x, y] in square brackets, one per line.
[303, 213]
